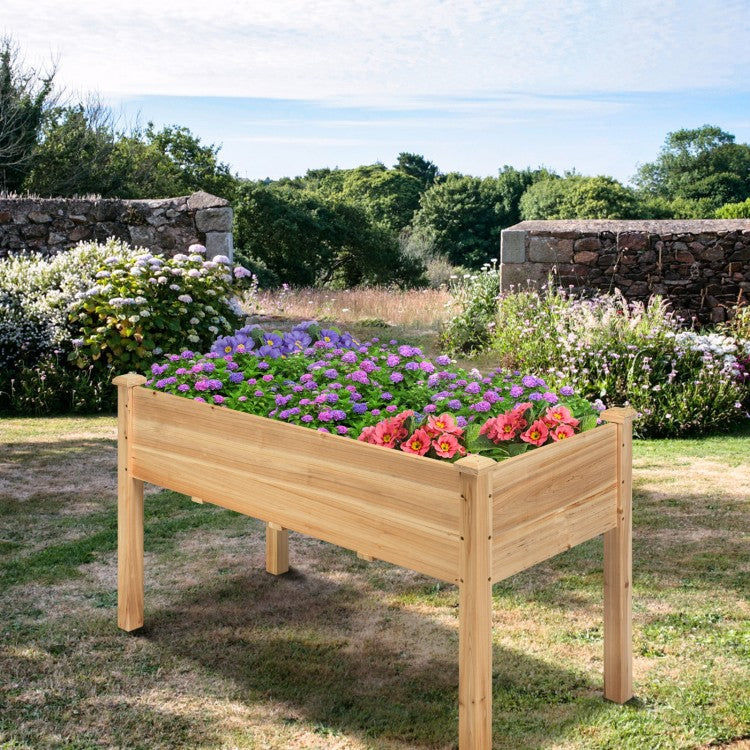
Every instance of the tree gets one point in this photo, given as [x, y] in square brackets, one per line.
[578, 197]
[171, 161]
[389, 196]
[74, 156]
[734, 210]
[703, 165]
[25, 94]
[417, 166]
[308, 239]
[463, 217]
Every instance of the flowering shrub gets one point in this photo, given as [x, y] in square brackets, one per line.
[475, 296]
[139, 306]
[70, 322]
[679, 381]
[386, 394]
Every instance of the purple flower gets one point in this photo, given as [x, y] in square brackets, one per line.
[550, 397]
[396, 377]
[443, 360]
[567, 390]
[158, 369]
[198, 398]
[358, 376]
[218, 399]
[461, 421]
[282, 400]
[391, 408]
[342, 430]
[236, 377]
[183, 387]
[516, 391]
[258, 394]
[430, 408]
[386, 396]
[375, 412]
[426, 366]
[306, 418]
[393, 360]
[454, 404]
[331, 374]
[473, 388]
[202, 385]
[481, 406]
[368, 365]
[329, 336]
[349, 358]
[411, 366]
[535, 396]
[359, 408]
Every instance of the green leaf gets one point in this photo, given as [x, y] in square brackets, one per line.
[589, 422]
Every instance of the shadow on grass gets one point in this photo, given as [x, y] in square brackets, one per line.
[297, 640]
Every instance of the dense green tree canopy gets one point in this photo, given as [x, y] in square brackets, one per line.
[417, 166]
[390, 196]
[578, 197]
[702, 164]
[307, 238]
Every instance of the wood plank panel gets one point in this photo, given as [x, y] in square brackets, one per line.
[553, 476]
[528, 543]
[390, 506]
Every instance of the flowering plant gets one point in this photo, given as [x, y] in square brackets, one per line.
[143, 304]
[382, 393]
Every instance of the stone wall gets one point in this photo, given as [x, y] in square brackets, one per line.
[700, 266]
[169, 226]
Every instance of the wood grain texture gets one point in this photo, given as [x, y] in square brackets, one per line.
[554, 476]
[529, 543]
[391, 506]
[618, 564]
[129, 512]
[475, 605]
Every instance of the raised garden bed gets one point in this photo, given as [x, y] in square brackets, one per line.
[470, 523]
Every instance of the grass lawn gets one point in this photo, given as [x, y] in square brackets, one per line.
[341, 653]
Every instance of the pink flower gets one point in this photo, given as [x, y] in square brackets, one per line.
[500, 428]
[537, 434]
[559, 415]
[443, 423]
[388, 433]
[418, 443]
[561, 432]
[367, 435]
[447, 445]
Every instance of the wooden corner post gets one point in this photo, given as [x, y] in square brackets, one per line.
[129, 513]
[618, 570]
[475, 605]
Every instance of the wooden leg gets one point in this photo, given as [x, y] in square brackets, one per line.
[618, 563]
[277, 549]
[475, 607]
[129, 516]
[130, 555]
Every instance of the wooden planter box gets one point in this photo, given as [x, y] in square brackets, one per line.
[470, 523]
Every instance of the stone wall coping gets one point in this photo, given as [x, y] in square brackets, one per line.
[619, 226]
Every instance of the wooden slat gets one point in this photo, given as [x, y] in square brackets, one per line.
[553, 476]
[390, 506]
[527, 544]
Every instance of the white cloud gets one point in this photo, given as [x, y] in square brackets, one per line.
[389, 51]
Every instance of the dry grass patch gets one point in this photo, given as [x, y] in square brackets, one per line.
[425, 308]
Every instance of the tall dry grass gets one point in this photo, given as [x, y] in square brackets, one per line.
[425, 308]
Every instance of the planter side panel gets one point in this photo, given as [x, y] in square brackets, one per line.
[393, 507]
[553, 498]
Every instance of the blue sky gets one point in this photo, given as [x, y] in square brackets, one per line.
[287, 85]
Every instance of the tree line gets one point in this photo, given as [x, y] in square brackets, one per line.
[369, 224]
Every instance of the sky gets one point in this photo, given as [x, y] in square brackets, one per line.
[288, 85]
